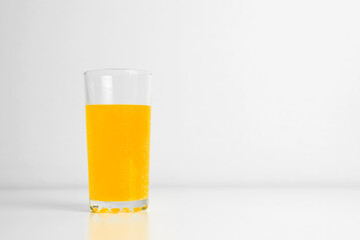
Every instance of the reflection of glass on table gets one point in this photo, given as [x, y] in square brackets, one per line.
[126, 226]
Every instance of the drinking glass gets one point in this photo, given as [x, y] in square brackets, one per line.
[118, 115]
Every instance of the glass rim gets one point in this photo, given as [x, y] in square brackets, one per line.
[125, 70]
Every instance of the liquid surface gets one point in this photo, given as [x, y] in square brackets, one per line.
[118, 143]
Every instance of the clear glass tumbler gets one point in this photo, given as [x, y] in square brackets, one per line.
[118, 116]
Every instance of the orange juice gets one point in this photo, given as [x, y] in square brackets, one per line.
[118, 138]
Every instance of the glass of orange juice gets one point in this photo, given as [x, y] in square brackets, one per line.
[118, 115]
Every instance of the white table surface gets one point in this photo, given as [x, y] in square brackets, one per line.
[186, 213]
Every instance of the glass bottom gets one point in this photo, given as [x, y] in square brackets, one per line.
[118, 206]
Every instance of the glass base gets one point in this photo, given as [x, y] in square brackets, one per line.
[118, 206]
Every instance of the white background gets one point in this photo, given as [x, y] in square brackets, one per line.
[245, 92]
